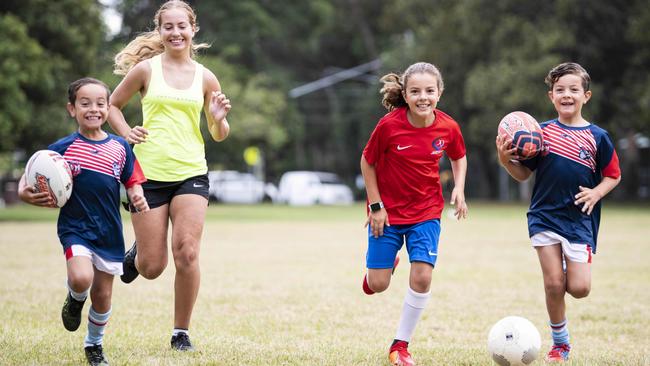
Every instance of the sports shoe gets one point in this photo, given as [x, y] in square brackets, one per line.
[181, 342]
[95, 355]
[71, 313]
[559, 353]
[128, 266]
[367, 288]
[399, 354]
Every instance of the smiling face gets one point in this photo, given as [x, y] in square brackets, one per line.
[568, 96]
[90, 108]
[422, 94]
[176, 29]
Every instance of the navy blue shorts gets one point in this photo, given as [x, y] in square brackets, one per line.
[161, 193]
[421, 244]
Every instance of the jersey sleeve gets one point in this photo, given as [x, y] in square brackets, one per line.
[132, 173]
[607, 159]
[456, 148]
[376, 144]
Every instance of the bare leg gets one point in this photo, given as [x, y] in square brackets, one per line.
[151, 235]
[550, 259]
[187, 214]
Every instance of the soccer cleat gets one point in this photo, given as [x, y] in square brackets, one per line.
[95, 355]
[399, 354]
[181, 342]
[559, 353]
[71, 313]
[128, 266]
[366, 289]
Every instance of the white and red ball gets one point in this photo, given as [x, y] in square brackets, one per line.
[525, 133]
[514, 341]
[48, 171]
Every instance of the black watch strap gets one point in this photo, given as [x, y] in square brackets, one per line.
[376, 206]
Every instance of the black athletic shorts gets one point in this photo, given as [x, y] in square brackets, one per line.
[160, 193]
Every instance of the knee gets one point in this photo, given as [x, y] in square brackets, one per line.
[80, 281]
[150, 269]
[555, 287]
[579, 291]
[187, 254]
[378, 283]
[421, 283]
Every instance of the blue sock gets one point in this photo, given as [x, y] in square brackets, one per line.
[560, 332]
[96, 325]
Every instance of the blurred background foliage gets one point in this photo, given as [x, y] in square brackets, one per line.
[493, 55]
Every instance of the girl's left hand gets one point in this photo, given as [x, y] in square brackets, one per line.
[219, 105]
[588, 197]
[458, 199]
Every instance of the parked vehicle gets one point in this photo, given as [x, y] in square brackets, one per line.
[311, 187]
[230, 186]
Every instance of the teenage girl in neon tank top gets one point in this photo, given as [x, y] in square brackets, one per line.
[174, 89]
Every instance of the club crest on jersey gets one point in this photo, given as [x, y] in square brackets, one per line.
[75, 167]
[584, 154]
[116, 170]
[438, 145]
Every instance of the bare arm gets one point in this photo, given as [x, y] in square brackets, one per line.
[590, 196]
[378, 219]
[216, 107]
[135, 81]
[137, 199]
[28, 194]
[459, 169]
[507, 160]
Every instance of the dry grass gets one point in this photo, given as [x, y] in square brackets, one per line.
[284, 289]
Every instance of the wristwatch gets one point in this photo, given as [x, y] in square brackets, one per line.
[374, 207]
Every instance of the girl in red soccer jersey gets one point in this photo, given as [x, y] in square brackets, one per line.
[400, 167]
[577, 169]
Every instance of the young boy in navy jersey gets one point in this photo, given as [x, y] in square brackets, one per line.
[89, 225]
[577, 168]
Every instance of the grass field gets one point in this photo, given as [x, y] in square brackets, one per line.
[281, 286]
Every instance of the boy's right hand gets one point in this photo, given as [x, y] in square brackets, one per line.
[505, 151]
[43, 199]
[377, 221]
[137, 135]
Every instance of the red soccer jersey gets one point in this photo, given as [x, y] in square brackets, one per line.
[406, 160]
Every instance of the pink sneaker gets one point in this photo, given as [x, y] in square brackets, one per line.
[559, 353]
[399, 355]
[366, 289]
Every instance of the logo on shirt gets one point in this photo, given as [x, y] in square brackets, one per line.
[116, 170]
[400, 147]
[75, 167]
[438, 146]
[584, 154]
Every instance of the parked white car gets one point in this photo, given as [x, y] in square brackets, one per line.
[301, 188]
[230, 186]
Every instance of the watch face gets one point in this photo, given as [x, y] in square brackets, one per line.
[375, 207]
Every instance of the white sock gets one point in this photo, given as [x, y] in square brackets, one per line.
[414, 304]
[180, 330]
[79, 296]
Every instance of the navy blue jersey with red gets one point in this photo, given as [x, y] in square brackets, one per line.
[572, 157]
[91, 217]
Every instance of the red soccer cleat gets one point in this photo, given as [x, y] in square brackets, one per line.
[559, 353]
[399, 355]
[366, 289]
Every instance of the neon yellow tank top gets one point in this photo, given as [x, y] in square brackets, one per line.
[174, 150]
